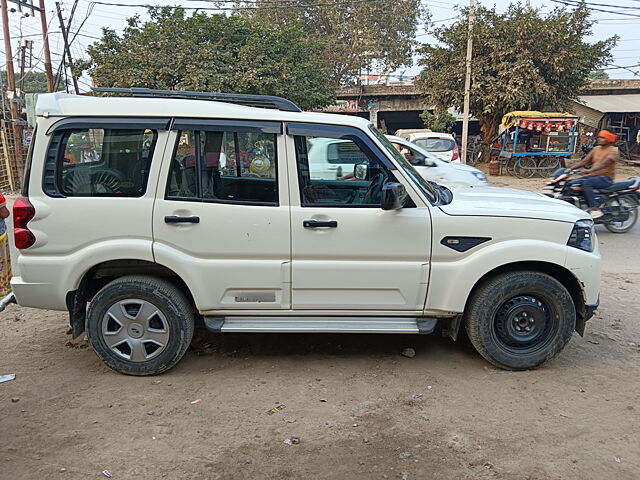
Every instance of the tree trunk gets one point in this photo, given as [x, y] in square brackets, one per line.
[489, 129]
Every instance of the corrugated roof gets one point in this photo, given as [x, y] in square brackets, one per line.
[612, 103]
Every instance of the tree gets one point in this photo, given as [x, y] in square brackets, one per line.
[357, 35]
[522, 60]
[34, 82]
[211, 53]
[598, 75]
[437, 121]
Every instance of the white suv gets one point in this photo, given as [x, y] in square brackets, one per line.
[141, 216]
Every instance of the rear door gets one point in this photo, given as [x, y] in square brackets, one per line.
[221, 220]
[347, 253]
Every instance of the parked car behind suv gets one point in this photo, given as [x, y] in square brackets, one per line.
[442, 145]
[451, 175]
[190, 210]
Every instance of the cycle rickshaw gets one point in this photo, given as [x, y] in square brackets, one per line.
[536, 143]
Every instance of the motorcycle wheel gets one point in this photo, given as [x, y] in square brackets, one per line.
[622, 227]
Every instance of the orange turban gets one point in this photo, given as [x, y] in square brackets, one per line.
[608, 136]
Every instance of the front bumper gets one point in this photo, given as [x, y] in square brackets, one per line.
[583, 318]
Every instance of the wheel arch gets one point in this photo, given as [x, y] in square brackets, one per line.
[558, 272]
[102, 273]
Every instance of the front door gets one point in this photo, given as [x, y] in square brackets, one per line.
[221, 221]
[348, 253]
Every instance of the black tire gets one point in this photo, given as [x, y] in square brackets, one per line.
[500, 311]
[172, 321]
[622, 227]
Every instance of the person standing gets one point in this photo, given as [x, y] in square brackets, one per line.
[5, 254]
[603, 158]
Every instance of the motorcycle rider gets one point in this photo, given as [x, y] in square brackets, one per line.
[603, 158]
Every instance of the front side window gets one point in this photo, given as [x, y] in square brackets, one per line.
[224, 166]
[95, 162]
[338, 172]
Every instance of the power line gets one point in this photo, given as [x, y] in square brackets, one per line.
[570, 4]
[222, 9]
[603, 5]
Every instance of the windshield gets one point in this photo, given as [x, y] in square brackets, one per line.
[424, 186]
[435, 144]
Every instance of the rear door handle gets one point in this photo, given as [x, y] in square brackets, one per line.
[319, 224]
[175, 219]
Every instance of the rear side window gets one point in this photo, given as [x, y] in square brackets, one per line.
[436, 144]
[100, 162]
[224, 167]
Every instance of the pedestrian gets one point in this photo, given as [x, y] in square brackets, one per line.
[5, 255]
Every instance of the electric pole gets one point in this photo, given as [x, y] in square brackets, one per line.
[11, 85]
[66, 49]
[24, 46]
[467, 84]
[47, 54]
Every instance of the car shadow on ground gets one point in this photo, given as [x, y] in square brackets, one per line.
[206, 343]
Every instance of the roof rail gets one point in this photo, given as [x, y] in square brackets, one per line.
[265, 101]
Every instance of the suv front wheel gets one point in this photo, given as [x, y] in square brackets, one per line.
[518, 320]
[140, 325]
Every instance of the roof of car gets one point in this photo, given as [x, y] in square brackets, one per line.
[66, 105]
[418, 136]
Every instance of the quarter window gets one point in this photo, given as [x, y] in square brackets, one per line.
[97, 162]
[224, 166]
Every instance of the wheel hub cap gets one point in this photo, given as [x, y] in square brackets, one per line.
[523, 323]
[135, 330]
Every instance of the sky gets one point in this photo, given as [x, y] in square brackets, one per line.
[90, 17]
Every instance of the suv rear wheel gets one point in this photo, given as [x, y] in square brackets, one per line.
[519, 320]
[140, 325]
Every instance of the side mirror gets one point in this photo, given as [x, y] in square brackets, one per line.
[430, 163]
[360, 171]
[393, 196]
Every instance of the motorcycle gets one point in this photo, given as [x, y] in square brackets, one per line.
[619, 201]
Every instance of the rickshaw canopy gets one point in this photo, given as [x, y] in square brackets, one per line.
[510, 119]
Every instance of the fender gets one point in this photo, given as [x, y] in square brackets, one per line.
[453, 278]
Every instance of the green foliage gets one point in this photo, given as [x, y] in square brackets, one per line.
[211, 53]
[357, 35]
[437, 121]
[34, 82]
[522, 60]
[598, 75]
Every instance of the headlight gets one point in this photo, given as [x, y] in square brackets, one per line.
[480, 176]
[582, 235]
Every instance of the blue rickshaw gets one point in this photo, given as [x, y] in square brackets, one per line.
[536, 143]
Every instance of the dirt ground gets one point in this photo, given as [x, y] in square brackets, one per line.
[359, 408]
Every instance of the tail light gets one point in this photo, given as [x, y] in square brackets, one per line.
[455, 155]
[23, 211]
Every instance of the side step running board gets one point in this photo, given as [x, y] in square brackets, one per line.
[321, 324]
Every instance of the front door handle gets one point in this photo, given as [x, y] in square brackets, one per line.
[175, 219]
[319, 224]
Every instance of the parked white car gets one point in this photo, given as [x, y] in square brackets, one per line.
[442, 145]
[141, 216]
[333, 158]
[433, 169]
